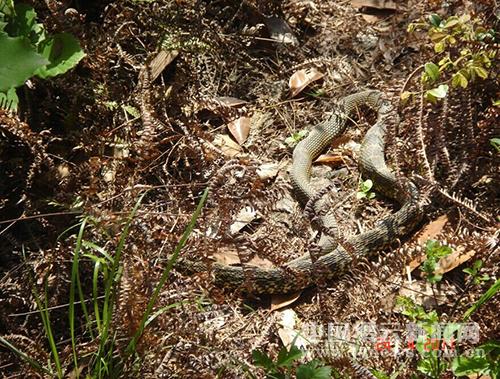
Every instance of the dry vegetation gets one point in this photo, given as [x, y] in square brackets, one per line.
[88, 143]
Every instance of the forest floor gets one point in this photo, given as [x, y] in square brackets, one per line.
[176, 96]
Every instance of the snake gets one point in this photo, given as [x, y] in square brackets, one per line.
[335, 259]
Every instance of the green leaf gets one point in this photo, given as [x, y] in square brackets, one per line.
[480, 71]
[459, 79]
[451, 22]
[439, 92]
[9, 100]
[366, 185]
[435, 19]
[495, 142]
[24, 24]
[287, 357]
[464, 366]
[312, 370]
[432, 70]
[63, 51]
[439, 47]
[134, 112]
[18, 61]
[261, 359]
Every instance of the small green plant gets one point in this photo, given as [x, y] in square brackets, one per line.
[465, 51]
[295, 138]
[27, 50]
[284, 366]
[474, 272]
[484, 360]
[434, 252]
[364, 191]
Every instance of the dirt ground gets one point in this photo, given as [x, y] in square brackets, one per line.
[233, 87]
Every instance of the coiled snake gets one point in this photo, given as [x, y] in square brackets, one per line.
[334, 259]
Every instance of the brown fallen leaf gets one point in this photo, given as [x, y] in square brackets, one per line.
[453, 260]
[230, 101]
[160, 61]
[227, 145]
[287, 331]
[240, 129]
[230, 256]
[302, 78]
[329, 159]
[377, 4]
[282, 301]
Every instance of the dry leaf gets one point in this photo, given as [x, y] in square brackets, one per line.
[162, 60]
[371, 18]
[268, 170]
[287, 332]
[282, 301]
[230, 101]
[280, 31]
[240, 129]
[230, 256]
[244, 217]
[432, 230]
[329, 159]
[227, 145]
[302, 78]
[377, 4]
[453, 260]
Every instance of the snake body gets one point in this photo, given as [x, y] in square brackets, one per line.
[334, 259]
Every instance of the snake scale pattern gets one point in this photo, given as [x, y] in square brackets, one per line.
[335, 259]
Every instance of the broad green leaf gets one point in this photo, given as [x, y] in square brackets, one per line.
[313, 370]
[432, 70]
[366, 185]
[490, 346]
[287, 357]
[435, 19]
[439, 92]
[63, 52]
[261, 359]
[18, 61]
[464, 366]
[459, 79]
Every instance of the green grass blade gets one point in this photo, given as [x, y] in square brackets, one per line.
[187, 232]
[44, 314]
[483, 299]
[111, 283]
[25, 357]
[74, 284]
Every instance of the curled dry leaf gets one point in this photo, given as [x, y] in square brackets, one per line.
[302, 78]
[282, 301]
[453, 260]
[329, 159]
[227, 145]
[240, 129]
[230, 101]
